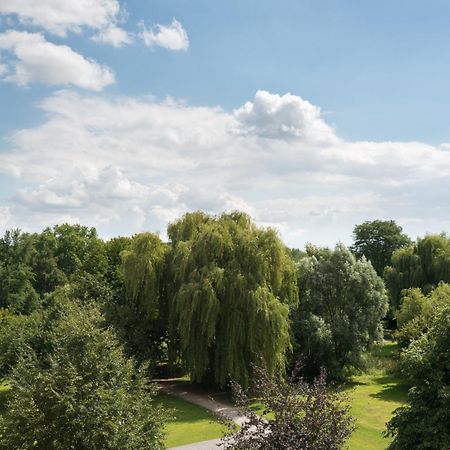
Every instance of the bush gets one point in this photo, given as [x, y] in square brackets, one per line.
[424, 423]
[296, 415]
[81, 394]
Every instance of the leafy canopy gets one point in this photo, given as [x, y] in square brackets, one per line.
[342, 301]
[424, 423]
[417, 312]
[232, 288]
[79, 391]
[296, 415]
[377, 240]
[422, 265]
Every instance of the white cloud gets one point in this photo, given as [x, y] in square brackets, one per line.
[287, 116]
[113, 35]
[34, 59]
[126, 164]
[5, 217]
[171, 37]
[61, 16]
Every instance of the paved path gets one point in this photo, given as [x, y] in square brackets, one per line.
[204, 445]
[181, 390]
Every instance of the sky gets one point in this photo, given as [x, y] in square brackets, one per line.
[310, 115]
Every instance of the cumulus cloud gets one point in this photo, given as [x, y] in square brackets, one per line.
[113, 35]
[171, 37]
[34, 59]
[5, 216]
[61, 16]
[287, 116]
[126, 164]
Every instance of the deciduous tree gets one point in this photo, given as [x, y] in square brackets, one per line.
[342, 302]
[232, 287]
[377, 240]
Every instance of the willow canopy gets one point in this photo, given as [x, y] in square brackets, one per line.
[232, 288]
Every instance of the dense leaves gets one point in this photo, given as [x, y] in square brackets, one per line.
[80, 393]
[296, 416]
[342, 301]
[417, 312]
[232, 288]
[377, 240]
[16, 275]
[141, 314]
[424, 424]
[422, 265]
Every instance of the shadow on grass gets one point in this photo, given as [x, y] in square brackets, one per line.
[182, 411]
[393, 389]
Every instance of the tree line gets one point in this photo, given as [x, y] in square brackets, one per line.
[221, 297]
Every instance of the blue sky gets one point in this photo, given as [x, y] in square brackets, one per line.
[124, 115]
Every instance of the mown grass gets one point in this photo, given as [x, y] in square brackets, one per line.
[190, 423]
[374, 396]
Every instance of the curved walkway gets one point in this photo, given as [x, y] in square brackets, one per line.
[213, 444]
[220, 408]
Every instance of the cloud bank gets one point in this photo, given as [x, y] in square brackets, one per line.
[62, 16]
[126, 164]
[33, 59]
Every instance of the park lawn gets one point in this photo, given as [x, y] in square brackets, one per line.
[373, 397]
[190, 423]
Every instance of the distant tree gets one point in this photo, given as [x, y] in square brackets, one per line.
[114, 247]
[377, 240]
[417, 312]
[296, 415]
[297, 254]
[44, 263]
[422, 265]
[424, 423]
[81, 393]
[342, 301]
[16, 275]
[79, 249]
[231, 287]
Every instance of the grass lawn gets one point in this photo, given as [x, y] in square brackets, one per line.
[374, 396]
[190, 423]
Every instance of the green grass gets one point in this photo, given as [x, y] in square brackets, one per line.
[374, 396]
[190, 423]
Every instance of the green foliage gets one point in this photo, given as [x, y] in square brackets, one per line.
[295, 415]
[81, 393]
[422, 265]
[79, 249]
[17, 334]
[44, 263]
[114, 247]
[232, 286]
[425, 422]
[342, 301]
[377, 240]
[141, 314]
[417, 312]
[16, 275]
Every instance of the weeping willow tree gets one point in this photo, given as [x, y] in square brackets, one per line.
[232, 287]
[142, 316]
[422, 265]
